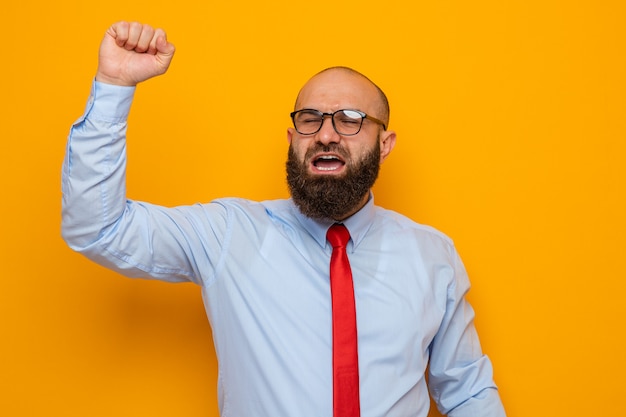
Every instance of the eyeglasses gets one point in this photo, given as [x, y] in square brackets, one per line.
[345, 122]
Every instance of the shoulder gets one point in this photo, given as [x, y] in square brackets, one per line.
[241, 208]
[399, 222]
[407, 234]
[244, 204]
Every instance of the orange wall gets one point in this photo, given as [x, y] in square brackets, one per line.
[511, 139]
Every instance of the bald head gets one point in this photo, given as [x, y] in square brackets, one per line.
[340, 85]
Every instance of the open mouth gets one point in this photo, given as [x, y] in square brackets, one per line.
[328, 163]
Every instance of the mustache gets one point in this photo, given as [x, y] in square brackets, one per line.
[331, 147]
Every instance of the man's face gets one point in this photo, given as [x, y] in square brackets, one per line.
[330, 175]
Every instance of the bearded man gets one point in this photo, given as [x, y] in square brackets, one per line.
[323, 304]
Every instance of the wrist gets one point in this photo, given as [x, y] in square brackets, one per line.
[105, 79]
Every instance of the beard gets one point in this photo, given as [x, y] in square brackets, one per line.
[326, 196]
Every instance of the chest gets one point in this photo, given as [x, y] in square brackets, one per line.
[272, 281]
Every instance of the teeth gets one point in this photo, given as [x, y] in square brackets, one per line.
[327, 158]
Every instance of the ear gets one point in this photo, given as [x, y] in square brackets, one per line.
[387, 142]
[290, 133]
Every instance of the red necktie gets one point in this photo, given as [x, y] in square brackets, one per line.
[345, 355]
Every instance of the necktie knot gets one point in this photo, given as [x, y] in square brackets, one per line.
[338, 235]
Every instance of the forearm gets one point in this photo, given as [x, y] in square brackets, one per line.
[487, 403]
[93, 177]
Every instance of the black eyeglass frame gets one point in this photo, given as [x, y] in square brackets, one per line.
[332, 119]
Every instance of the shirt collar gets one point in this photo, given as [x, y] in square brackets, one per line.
[358, 224]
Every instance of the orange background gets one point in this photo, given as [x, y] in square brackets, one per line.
[511, 139]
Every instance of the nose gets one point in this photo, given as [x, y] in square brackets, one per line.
[327, 133]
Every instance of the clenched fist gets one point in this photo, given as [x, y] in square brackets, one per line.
[133, 52]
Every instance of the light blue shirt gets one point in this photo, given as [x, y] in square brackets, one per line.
[263, 271]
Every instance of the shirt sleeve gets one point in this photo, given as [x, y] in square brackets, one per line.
[134, 238]
[460, 375]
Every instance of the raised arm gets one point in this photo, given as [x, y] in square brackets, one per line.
[130, 237]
